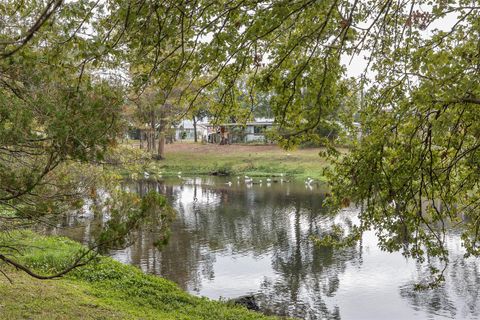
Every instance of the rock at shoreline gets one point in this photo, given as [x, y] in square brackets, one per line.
[247, 301]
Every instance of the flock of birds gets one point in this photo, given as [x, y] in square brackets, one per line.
[249, 180]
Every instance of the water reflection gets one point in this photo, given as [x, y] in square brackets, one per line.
[234, 239]
[463, 281]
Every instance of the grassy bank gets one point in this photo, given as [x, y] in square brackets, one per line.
[104, 290]
[251, 160]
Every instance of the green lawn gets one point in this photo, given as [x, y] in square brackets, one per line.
[104, 290]
[255, 161]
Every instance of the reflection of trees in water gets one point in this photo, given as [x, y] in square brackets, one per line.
[221, 220]
[228, 220]
[308, 273]
[83, 225]
[184, 260]
[462, 285]
[465, 275]
[264, 222]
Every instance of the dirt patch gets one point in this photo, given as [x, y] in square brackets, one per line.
[220, 149]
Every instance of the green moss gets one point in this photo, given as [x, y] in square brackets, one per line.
[105, 289]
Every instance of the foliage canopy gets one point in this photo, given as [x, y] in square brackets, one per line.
[65, 68]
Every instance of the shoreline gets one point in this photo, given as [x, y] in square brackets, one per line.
[237, 160]
[106, 289]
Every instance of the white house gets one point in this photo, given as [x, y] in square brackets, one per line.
[250, 132]
[184, 131]
[255, 131]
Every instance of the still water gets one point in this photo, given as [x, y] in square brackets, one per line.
[239, 239]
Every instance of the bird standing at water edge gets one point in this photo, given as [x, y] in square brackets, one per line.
[309, 181]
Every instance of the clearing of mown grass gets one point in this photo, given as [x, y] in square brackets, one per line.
[106, 289]
[250, 160]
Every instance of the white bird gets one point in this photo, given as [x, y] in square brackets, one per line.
[179, 173]
[146, 175]
[269, 180]
[229, 183]
[393, 204]
[260, 181]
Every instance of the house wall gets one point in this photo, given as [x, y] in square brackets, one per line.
[251, 136]
[238, 134]
[201, 132]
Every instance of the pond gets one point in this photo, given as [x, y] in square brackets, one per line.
[235, 239]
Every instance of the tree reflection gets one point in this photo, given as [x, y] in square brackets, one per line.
[462, 282]
[217, 222]
[308, 273]
[277, 222]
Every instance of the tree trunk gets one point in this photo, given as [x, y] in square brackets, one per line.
[195, 129]
[161, 145]
[152, 132]
[141, 139]
[152, 141]
[148, 136]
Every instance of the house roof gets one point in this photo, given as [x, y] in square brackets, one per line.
[188, 124]
[255, 122]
